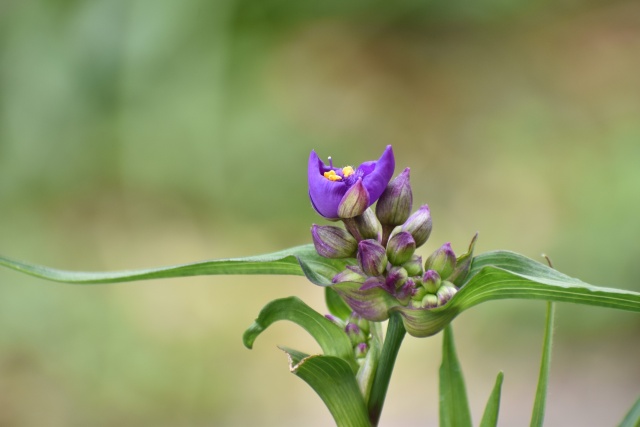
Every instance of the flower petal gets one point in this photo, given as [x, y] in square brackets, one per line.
[376, 178]
[325, 195]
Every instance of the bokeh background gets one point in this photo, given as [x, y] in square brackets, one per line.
[151, 132]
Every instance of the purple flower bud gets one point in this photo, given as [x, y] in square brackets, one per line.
[372, 257]
[443, 261]
[419, 225]
[406, 291]
[361, 350]
[396, 277]
[429, 301]
[335, 320]
[400, 248]
[394, 206]
[414, 266]
[354, 333]
[446, 292]
[362, 323]
[373, 282]
[333, 242]
[330, 188]
[350, 274]
[365, 226]
[431, 281]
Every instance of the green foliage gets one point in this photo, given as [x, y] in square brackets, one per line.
[632, 419]
[454, 405]
[490, 416]
[537, 417]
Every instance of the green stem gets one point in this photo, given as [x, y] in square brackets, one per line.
[390, 348]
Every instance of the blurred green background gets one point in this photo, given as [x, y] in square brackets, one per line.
[150, 132]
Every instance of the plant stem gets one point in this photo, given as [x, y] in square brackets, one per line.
[390, 348]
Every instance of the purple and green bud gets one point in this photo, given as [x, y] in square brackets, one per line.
[419, 225]
[431, 281]
[355, 334]
[443, 261]
[362, 323]
[373, 282]
[396, 277]
[346, 192]
[446, 292]
[429, 301]
[414, 266]
[419, 294]
[400, 248]
[406, 292]
[372, 257]
[350, 274]
[365, 226]
[361, 349]
[394, 206]
[333, 242]
[334, 319]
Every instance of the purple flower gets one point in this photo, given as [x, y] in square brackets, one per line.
[347, 192]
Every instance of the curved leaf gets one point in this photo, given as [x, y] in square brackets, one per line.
[454, 405]
[335, 383]
[332, 339]
[294, 261]
[503, 275]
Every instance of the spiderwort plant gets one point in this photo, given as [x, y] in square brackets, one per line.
[372, 272]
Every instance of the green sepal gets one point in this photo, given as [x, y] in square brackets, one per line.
[332, 340]
[333, 380]
[490, 415]
[454, 405]
[336, 304]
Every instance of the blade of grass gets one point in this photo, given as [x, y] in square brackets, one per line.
[454, 405]
[490, 416]
[537, 418]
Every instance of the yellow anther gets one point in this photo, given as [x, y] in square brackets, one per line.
[332, 176]
[347, 171]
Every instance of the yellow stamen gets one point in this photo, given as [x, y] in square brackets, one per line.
[347, 171]
[332, 176]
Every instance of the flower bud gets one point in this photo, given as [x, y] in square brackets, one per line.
[361, 349]
[429, 301]
[365, 226]
[414, 266]
[373, 282]
[443, 261]
[446, 292]
[405, 292]
[354, 333]
[372, 257]
[350, 274]
[396, 276]
[419, 225]
[463, 264]
[362, 323]
[354, 202]
[333, 242]
[400, 248]
[335, 320]
[419, 294]
[394, 206]
[431, 281]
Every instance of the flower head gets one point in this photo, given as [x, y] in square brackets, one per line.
[347, 192]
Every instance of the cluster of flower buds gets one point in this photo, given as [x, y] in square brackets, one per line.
[382, 240]
[358, 331]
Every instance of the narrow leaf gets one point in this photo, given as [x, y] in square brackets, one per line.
[632, 419]
[293, 261]
[454, 405]
[537, 418]
[490, 416]
[335, 383]
[332, 339]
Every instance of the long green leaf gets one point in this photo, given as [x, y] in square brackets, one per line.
[537, 417]
[335, 383]
[454, 405]
[332, 339]
[632, 419]
[490, 416]
[296, 261]
[503, 275]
